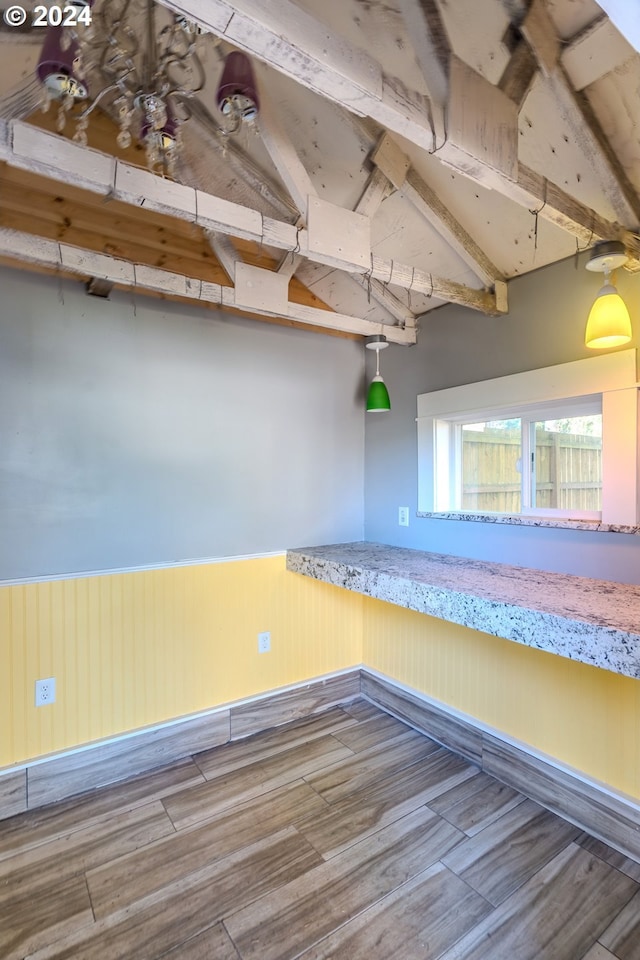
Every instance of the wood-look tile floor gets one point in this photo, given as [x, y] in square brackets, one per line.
[346, 835]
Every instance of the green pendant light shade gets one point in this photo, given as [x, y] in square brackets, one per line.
[378, 396]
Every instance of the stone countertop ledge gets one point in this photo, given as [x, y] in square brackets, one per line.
[593, 621]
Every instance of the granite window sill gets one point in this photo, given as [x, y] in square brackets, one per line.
[596, 526]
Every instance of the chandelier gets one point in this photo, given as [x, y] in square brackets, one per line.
[142, 64]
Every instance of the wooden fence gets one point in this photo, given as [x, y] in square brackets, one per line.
[568, 471]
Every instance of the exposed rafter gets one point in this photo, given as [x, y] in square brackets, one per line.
[376, 190]
[284, 36]
[29, 148]
[518, 76]
[378, 187]
[301, 188]
[380, 292]
[225, 252]
[432, 50]
[283, 154]
[624, 14]
[540, 34]
[550, 202]
[75, 260]
[262, 28]
[594, 52]
[396, 166]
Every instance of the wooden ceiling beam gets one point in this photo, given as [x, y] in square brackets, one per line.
[15, 264]
[50, 155]
[283, 154]
[225, 252]
[83, 219]
[481, 121]
[396, 166]
[539, 32]
[387, 299]
[262, 28]
[550, 202]
[88, 263]
[290, 40]
[594, 52]
[432, 50]
[300, 187]
[624, 14]
[377, 189]
[518, 75]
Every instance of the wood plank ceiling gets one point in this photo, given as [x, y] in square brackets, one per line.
[404, 156]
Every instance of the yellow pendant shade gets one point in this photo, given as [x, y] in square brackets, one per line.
[609, 323]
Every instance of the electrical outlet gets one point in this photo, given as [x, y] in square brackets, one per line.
[45, 691]
[403, 516]
[264, 642]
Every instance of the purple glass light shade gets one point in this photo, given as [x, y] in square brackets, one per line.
[237, 88]
[56, 67]
[167, 136]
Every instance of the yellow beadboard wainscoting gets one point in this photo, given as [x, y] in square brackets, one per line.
[133, 649]
[584, 717]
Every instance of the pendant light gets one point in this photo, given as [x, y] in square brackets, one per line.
[609, 323]
[378, 396]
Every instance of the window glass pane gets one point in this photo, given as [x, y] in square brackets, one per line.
[568, 463]
[491, 453]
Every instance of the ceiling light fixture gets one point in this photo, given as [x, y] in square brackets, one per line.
[378, 396]
[141, 64]
[609, 323]
[237, 92]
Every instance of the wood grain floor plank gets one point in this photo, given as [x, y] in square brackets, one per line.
[130, 878]
[213, 796]
[261, 746]
[370, 767]
[505, 854]
[40, 826]
[371, 733]
[178, 913]
[557, 915]
[292, 704]
[363, 813]
[362, 709]
[105, 763]
[622, 937]
[213, 944]
[560, 791]
[446, 728]
[301, 842]
[283, 924]
[598, 952]
[49, 864]
[32, 919]
[474, 804]
[418, 921]
[610, 856]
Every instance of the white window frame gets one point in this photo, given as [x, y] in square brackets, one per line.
[611, 378]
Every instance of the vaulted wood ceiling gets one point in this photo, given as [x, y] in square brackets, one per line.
[406, 156]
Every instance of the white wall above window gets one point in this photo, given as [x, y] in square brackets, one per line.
[609, 380]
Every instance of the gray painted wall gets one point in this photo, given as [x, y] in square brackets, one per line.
[137, 432]
[545, 326]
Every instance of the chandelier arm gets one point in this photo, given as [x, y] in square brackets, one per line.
[96, 101]
[176, 88]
